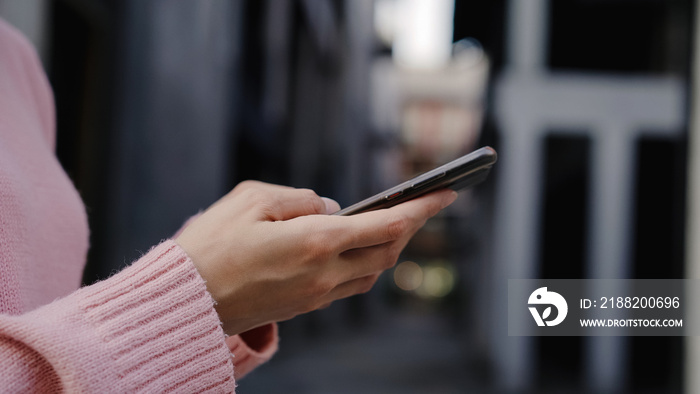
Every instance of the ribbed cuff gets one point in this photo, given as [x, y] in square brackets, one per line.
[158, 324]
[252, 348]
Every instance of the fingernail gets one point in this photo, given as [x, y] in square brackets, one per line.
[449, 199]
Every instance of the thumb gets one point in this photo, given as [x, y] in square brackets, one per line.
[331, 205]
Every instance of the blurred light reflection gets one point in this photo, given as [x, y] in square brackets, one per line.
[433, 280]
[408, 276]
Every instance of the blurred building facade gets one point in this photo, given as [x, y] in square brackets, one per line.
[542, 106]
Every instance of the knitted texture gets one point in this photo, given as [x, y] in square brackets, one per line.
[150, 328]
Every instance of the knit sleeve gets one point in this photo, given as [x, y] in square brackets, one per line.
[150, 328]
[250, 348]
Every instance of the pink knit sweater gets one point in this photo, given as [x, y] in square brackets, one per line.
[150, 328]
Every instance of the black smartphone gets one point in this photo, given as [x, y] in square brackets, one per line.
[458, 174]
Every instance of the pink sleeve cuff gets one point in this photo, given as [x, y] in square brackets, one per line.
[158, 322]
[252, 348]
[150, 328]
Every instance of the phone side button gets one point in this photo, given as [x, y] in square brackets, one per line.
[393, 196]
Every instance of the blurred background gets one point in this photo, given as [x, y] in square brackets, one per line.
[163, 106]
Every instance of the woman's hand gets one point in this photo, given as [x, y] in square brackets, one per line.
[269, 253]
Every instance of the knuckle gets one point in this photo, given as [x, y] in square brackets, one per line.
[397, 227]
[319, 246]
[246, 185]
[260, 200]
[266, 206]
[311, 201]
[323, 252]
[252, 193]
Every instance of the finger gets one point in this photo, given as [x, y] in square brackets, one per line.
[252, 185]
[351, 288]
[385, 225]
[285, 204]
[331, 205]
[357, 263]
[275, 202]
